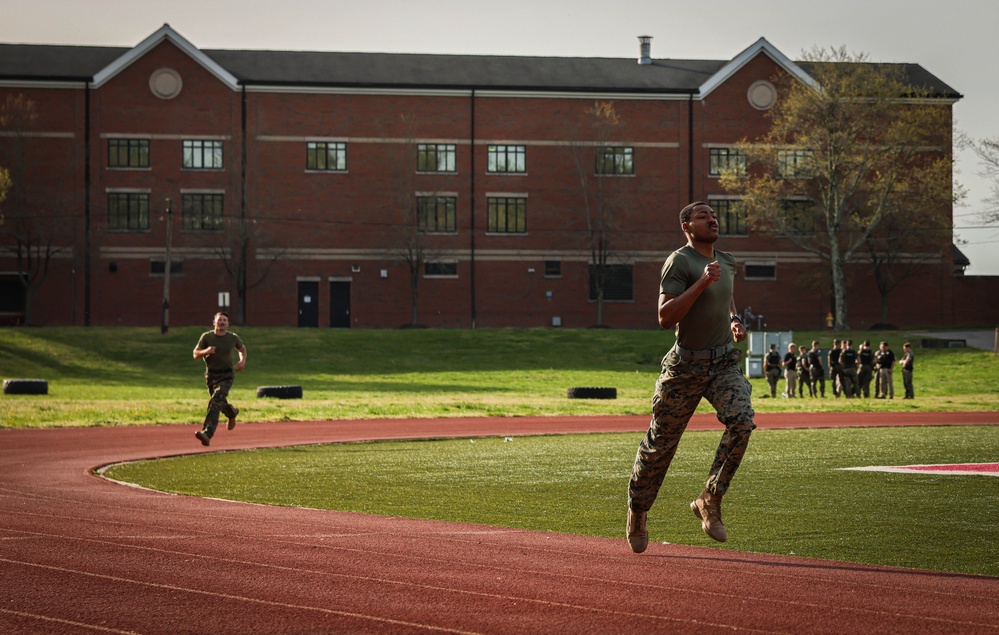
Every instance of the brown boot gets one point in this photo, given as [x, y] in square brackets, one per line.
[707, 507]
[232, 419]
[638, 536]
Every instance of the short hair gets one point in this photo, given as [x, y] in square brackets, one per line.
[907, 345]
[815, 342]
[884, 343]
[835, 342]
[225, 313]
[688, 211]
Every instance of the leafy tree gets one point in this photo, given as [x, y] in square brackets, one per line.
[859, 145]
[988, 155]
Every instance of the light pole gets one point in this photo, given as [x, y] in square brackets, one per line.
[165, 326]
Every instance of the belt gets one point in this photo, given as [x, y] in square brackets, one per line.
[709, 354]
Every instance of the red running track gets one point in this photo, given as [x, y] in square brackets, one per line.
[80, 554]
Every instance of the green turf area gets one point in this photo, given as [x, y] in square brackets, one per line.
[136, 376]
[788, 498]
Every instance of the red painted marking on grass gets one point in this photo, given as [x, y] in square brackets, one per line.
[973, 469]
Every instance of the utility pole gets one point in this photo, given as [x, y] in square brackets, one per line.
[166, 269]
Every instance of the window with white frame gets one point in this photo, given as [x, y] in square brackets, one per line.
[326, 156]
[506, 159]
[436, 157]
[201, 154]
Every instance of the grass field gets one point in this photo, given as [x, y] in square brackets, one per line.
[136, 376]
[789, 498]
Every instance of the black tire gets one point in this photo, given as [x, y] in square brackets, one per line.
[591, 393]
[280, 392]
[25, 387]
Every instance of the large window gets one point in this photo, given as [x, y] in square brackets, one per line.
[502, 159]
[202, 155]
[731, 217]
[726, 160]
[128, 153]
[327, 156]
[202, 211]
[128, 211]
[794, 163]
[506, 214]
[435, 157]
[800, 217]
[615, 160]
[439, 269]
[436, 214]
[618, 282]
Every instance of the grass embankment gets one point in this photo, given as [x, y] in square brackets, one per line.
[136, 376]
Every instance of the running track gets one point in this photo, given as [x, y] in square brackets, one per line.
[80, 554]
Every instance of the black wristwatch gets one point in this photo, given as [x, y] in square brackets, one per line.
[737, 318]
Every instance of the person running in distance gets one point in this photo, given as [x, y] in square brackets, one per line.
[216, 347]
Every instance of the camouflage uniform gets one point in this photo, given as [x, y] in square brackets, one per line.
[678, 391]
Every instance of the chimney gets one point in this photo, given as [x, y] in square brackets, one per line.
[645, 47]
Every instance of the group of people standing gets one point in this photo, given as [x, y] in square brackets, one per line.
[851, 371]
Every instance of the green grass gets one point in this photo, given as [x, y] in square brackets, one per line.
[789, 496]
[136, 376]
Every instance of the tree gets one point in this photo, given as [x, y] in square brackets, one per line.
[604, 197]
[841, 155]
[29, 222]
[988, 156]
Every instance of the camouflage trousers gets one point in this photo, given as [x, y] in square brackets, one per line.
[679, 389]
[219, 385]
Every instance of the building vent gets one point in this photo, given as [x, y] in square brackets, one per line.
[645, 49]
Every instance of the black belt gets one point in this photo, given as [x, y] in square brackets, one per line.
[709, 354]
[219, 372]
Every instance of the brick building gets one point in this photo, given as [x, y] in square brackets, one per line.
[317, 189]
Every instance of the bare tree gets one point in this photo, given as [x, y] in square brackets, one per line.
[604, 198]
[839, 153]
[30, 223]
[988, 157]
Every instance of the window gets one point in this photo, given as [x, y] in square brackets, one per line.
[553, 268]
[440, 269]
[731, 217]
[436, 214]
[328, 156]
[128, 211]
[615, 160]
[158, 267]
[128, 153]
[618, 282]
[794, 163]
[506, 214]
[202, 211]
[726, 159]
[761, 271]
[435, 157]
[202, 155]
[505, 159]
[799, 217]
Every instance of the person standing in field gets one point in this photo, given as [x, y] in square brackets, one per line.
[695, 298]
[790, 365]
[835, 369]
[817, 372]
[886, 368]
[773, 369]
[907, 362]
[216, 347]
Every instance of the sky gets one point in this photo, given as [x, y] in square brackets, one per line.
[953, 39]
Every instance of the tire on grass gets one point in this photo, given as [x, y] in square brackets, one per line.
[591, 392]
[25, 387]
[280, 392]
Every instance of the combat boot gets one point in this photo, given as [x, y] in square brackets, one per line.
[707, 507]
[638, 535]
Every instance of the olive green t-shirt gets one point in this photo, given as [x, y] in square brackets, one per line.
[708, 323]
[224, 347]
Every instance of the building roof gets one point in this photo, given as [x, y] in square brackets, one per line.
[31, 62]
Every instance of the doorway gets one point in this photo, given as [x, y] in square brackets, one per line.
[339, 304]
[308, 303]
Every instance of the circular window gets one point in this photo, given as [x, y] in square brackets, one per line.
[762, 95]
[165, 83]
